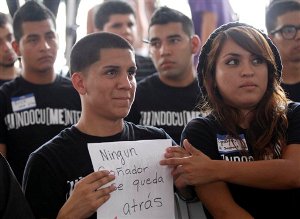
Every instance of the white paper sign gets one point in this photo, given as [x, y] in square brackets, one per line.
[144, 187]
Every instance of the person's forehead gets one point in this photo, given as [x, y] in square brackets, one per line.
[289, 18]
[37, 27]
[165, 30]
[117, 56]
[121, 18]
[5, 30]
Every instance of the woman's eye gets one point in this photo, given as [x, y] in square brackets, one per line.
[232, 62]
[258, 61]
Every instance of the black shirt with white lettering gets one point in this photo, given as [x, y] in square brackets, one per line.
[32, 114]
[54, 169]
[208, 136]
[163, 106]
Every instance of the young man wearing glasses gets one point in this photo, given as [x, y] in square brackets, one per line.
[283, 26]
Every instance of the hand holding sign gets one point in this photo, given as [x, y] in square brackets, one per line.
[144, 188]
[87, 197]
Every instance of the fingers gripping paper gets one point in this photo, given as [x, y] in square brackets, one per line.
[144, 188]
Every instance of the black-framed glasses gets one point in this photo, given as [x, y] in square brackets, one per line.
[288, 32]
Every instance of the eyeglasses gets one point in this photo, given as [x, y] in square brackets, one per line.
[288, 32]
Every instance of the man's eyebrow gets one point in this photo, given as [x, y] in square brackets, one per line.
[156, 38]
[153, 39]
[32, 35]
[111, 66]
[174, 36]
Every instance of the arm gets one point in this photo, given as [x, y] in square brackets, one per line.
[219, 202]
[3, 149]
[208, 25]
[46, 192]
[90, 27]
[267, 174]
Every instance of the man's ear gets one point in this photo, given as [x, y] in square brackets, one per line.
[78, 83]
[196, 44]
[16, 47]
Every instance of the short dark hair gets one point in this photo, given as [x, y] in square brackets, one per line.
[108, 8]
[30, 11]
[165, 15]
[278, 8]
[4, 19]
[87, 50]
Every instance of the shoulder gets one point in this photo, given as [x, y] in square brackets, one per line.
[150, 82]
[143, 60]
[201, 126]
[11, 85]
[63, 81]
[60, 144]
[293, 109]
[142, 132]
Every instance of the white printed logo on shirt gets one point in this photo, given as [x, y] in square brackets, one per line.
[23, 102]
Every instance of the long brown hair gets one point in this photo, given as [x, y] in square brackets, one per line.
[268, 127]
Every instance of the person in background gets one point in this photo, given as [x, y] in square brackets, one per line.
[283, 26]
[208, 15]
[59, 180]
[168, 98]
[8, 57]
[119, 17]
[12, 200]
[244, 156]
[39, 104]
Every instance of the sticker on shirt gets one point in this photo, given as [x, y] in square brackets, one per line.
[228, 144]
[23, 102]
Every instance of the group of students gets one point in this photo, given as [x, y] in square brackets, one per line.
[239, 155]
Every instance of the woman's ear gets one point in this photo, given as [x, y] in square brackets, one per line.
[78, 82]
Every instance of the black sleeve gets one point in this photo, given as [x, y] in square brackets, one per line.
[42, 188]
[12, 200]
[293, 132]
[201, 133]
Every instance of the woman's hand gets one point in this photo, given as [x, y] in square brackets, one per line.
[191, 166]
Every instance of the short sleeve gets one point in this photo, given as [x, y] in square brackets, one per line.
[41, 188]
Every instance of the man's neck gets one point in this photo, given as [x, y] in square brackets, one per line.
[103, 128]
[181, 81]
[46, 77]
[9, 73]
[291, 73]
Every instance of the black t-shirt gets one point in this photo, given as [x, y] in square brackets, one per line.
[292, 91]
[32, 114]
[160, 105]
[145, 67]
[53, 170]
[12, 200]
[208, 136]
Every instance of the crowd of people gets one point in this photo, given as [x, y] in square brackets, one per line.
[231, 115]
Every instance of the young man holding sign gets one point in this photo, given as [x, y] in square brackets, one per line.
[59, 179]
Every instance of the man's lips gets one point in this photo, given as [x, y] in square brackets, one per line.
[167, 64]
[45, 58]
